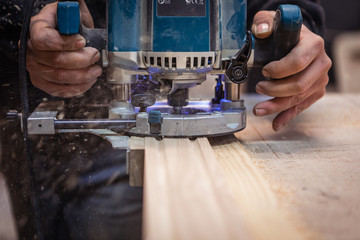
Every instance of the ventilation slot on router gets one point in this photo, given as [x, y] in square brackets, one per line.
[210, 59]
[167, 65]
[173, 62]
[202, 63]
[188, 63]
[195, 65]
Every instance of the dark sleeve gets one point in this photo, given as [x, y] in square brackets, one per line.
[10, 27]
[312, 12]
[11, 17]
[97, 9]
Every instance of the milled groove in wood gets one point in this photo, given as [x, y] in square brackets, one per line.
[266, 218]
[186, 195]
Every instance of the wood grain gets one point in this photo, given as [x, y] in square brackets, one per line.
[299, 183]
[7, 223]
[192, 192]
[135, 166]
[314, 163]
[186, 195]
[266, 217]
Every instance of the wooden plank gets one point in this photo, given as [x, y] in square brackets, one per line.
[189, 194]
[186, 195]
[7, 222]
[300, 183]
[267, 218]
[136, 161]
[316, 160]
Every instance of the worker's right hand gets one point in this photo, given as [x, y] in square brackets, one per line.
[301, 76]
[60, 65]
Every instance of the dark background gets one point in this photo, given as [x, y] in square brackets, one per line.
[341, 16]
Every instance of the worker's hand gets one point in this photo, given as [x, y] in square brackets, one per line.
[60, 65]
[300, 77]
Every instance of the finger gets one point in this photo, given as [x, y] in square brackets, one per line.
[86, 17]
[48, 14]
[286, 116]
[82, 58]
[65, 76]
[59, 90]
[48, 39]
[298, 83]
[44, 36]
[263, 23]
[280, 104]
[299, 57]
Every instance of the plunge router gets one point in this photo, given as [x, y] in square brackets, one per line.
[156, 50]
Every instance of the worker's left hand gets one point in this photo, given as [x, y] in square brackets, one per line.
[300, 77]
[61, 65]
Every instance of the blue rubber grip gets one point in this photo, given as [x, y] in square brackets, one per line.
[287, 27]
[291, 18]
[68, 18]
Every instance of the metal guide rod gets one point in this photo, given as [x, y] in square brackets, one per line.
[94, 124]
[232, 91]
[122, 92]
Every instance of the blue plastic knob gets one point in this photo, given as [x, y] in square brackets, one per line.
[68, 17]
[155, 117]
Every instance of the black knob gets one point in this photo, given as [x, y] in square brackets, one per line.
[12, 115]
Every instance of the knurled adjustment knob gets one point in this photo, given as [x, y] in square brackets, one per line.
[12, 115]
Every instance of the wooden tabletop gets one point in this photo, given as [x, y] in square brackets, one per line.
[311, 169]
[300, 183]
[313, 164]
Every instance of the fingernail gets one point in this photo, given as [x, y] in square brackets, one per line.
[262, 28]
[260, 112]
[279, 127]
[265, 73]
[259, 88]
[97, 71]
[81, 43]
[96, 57]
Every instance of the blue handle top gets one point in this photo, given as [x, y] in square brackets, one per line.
[68, 18]
[290, 17]
[287, 28]
[286, 34]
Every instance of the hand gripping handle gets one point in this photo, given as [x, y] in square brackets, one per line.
[286, 33]
[68, 22]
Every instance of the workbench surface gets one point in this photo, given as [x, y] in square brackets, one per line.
[300, 183]
[313, 164]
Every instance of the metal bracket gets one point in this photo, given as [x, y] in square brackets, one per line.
[237, 71]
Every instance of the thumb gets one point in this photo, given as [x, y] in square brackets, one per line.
[86, 17]
[263, 23]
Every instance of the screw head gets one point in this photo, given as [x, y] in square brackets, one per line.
[238, 72]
